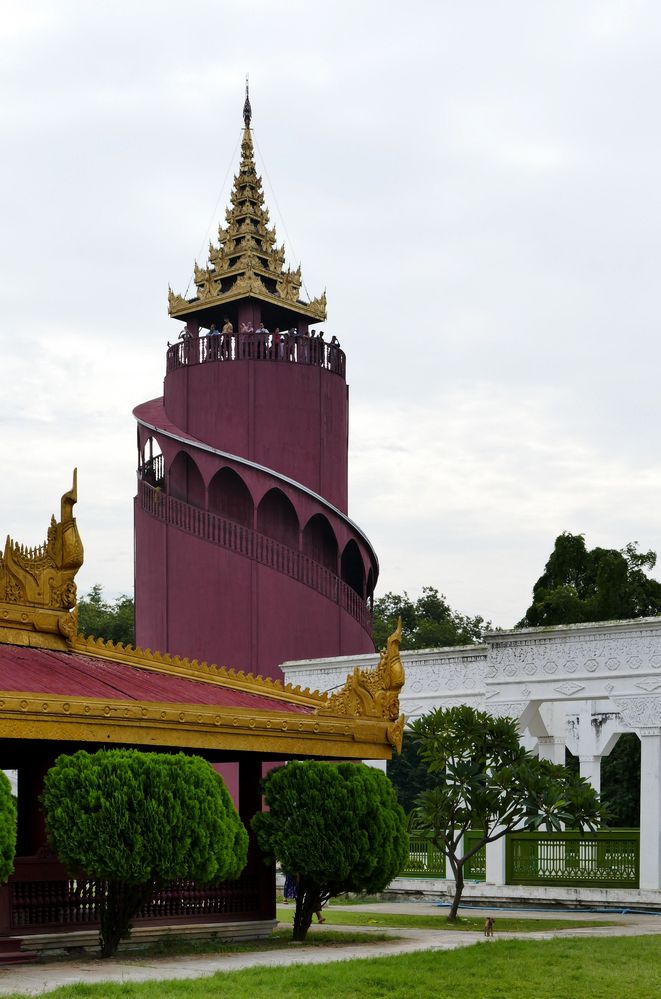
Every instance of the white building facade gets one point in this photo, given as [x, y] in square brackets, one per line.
[573, 686]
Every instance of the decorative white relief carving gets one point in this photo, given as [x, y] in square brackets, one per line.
[507, 709]
[569, 688]
[639, 711]
[649, 684]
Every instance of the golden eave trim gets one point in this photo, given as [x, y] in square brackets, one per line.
[30, 715]
[201, 305]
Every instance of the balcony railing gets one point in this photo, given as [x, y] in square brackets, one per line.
[41, 897]
[251, 544]
[290, 349]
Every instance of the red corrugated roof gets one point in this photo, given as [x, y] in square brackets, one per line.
[75, 675]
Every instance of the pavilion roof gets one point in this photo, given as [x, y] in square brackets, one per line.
[58, 684]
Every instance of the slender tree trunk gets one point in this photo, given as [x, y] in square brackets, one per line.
[119, 904]
[458, 871]
[307, 903]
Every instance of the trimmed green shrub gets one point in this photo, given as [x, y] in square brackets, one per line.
[336, 826]
[138, 821]
[7, 828]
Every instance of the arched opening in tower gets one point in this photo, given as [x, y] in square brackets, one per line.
[369, 592]
[276, 517]
[320, 543]
[352, 570]
[185, 481]
[230, 497]
[151, 467]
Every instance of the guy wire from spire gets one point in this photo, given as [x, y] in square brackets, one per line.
[214, 216]
[284, 224]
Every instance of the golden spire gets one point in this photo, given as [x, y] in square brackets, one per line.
[247, 110]
[247, 261]
[37, 588]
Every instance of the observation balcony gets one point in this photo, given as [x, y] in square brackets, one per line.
[291, 349]
[251, 544]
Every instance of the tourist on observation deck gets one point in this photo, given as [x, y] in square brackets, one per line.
[213, 343]
[262, 335]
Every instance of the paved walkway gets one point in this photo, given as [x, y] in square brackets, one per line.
[33, 980]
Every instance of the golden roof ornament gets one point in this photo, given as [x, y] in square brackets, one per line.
[375, 693]
[37, 588]
[246, 261]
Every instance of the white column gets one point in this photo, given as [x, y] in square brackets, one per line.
[590, 770]
[552, 747]
[650, 808]
[496, 871]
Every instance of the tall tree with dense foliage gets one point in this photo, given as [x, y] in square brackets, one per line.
[579, 585]
[7, 828]
[428, 622]
[138, 821]
[486, 780]
[113, 621]
[337, 826]
[593, 584]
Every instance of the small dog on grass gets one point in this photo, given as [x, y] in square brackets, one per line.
[488, 926]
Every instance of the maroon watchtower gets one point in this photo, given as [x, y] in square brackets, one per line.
[244, 553]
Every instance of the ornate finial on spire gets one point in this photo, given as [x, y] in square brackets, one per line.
[247, 110]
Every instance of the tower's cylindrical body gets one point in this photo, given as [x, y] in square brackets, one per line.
[244, 553]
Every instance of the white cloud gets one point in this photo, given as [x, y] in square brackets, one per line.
[475, 184]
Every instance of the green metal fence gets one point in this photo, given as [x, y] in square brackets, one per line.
[425, 861]
[608, 859]
[475, 869]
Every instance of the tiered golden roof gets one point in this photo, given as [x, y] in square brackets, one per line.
[246, 261]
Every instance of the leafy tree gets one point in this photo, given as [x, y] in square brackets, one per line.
[598, 584]
[408, 774]
[427, 623]
[112, 621]
[138, 821]
[337, 826]
[486, 780]
[7, 828]
[620, 782]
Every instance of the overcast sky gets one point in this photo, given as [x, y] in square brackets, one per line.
[476, 185]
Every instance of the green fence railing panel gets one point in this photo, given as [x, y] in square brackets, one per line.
[603, 859]
[425, 861]
[475, 868]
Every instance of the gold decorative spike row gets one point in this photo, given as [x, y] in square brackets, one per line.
[192, 669]
[37, 588]
[247, 261]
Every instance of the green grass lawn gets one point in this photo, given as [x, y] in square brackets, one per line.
[335, 917]
[507, 969]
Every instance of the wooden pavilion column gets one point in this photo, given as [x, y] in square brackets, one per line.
[250, 802]
[31, 833]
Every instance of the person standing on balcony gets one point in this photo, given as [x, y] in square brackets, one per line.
[212, 343]
[276, 341]
[262, 335]
[227, 333]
